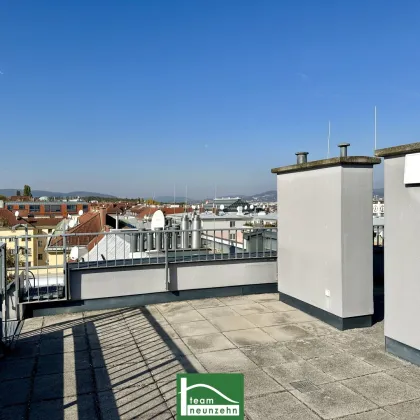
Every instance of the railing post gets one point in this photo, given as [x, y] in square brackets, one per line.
[166, 249]
[17, 280]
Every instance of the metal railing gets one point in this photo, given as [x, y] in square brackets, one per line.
[378, 235]
[42, 274]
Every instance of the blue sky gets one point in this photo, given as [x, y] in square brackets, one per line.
[132, 97]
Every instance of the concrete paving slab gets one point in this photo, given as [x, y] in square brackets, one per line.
[377, 414]
[231, 323]
[234, 300]
[151, 333]
[14, 412]
[270, 355]
[280, 406]
[205, 303]
[250, 308]
[167, 308]
[268, 319]
[63, 362]
[23, 349]
[32, 325]
[59, 385]
[409, 410]
[250, 337]
[62, 345]
[122, 376]
[226, 361]
[188, 329]
[163, 349]
[257, 382]
[62, 320]
[288, 373]
[72, 408]
[165, 370]
[351, 341]
[382, 389]
[111, 356]
[343, 366]
[207, 343]
[129, 403]
[312, 347]
[110, 340]
[410, 375]
[380, 359]
[76, 328]
[213, 313]
[317, 328]
[264, 297]
[334, 400]
[286, 332]
[277, 306]
[183, 316]
[15, 391]
[15, 369]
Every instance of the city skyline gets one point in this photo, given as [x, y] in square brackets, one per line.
[135, 97]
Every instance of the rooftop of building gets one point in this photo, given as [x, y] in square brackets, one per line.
[122, 363]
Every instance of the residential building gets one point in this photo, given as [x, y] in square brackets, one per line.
[47, 208]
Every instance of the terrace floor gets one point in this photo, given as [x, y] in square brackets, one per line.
[123, 363]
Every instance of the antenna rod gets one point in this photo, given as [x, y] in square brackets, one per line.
[329, 135]
[375, 128]
[186, 197]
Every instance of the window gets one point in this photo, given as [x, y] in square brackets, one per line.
[232, 224]
[40, 256]
[21, 206]
[39, 243]
[9, 207]
[232, 236]
[56, 208]
[85, 208]
[49, 230]
[71, 207]
[29, 263]
[34, 208]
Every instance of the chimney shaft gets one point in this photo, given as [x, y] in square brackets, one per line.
[102, 213]
[343, 149]
[302, 157]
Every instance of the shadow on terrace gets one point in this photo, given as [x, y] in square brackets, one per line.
[106, 364]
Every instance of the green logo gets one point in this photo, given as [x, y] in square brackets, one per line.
[210, 395]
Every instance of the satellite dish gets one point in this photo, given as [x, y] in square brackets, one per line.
[222, 207]
[193, 207]
[72, 223]
[74, 253]
[158, 220]
[246, 207]
[16, 213]
[80, 212]
[251, 207]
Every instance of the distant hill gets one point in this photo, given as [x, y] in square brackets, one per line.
[41, 193]
[378, 191]
[170, 199]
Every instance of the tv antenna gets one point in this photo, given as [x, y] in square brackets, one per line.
[329, 136]
[375, 130]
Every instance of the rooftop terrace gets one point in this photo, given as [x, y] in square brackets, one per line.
[123, 363]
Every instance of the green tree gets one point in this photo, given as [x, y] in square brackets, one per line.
[3, 197]
[27, 191]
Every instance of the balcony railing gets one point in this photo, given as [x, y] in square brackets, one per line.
[131, 247]
[125, 248]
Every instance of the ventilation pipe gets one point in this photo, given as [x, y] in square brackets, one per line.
[185, 234]
[196, 234]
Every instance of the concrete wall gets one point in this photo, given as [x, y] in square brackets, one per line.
[128, 281]
[321, 228]
[356, 238]
[402, 256]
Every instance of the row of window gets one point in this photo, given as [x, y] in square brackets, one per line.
[49, 208]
